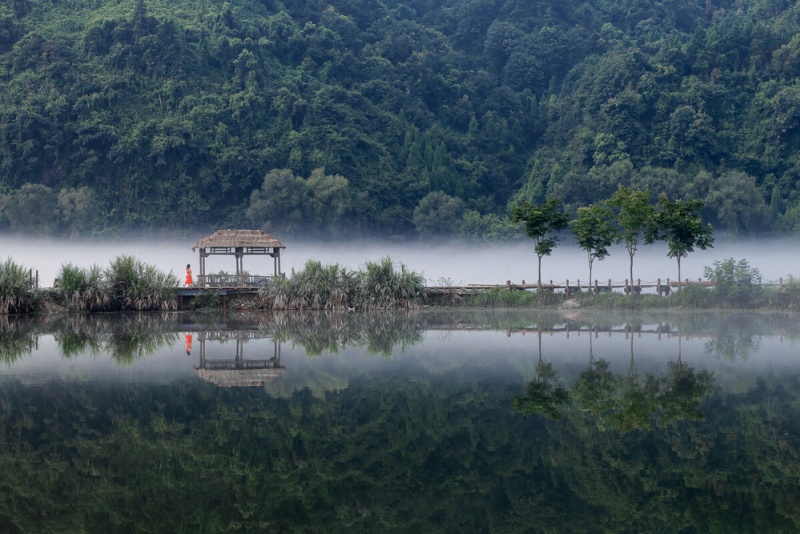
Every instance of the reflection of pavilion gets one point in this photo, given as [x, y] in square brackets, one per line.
[238, 371]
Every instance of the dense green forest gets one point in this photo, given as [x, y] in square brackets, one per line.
[375, 117]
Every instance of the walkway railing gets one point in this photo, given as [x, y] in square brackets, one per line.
[660, 287]
[250, 281]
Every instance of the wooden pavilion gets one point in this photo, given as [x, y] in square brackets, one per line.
[237, 243]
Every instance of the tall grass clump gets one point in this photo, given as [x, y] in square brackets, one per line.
[500, 297]
[380, 287]
[136, 286]
[17, 291]
[83, 289]
[786, 297]
[315, 287]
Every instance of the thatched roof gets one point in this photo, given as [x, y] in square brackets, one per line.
[239, 238]
[238, 377]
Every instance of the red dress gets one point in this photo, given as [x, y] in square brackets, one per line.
[188, 277]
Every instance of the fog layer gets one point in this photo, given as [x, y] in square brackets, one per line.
[440, 264]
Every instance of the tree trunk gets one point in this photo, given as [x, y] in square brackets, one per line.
[631, 275]
[540, 274]
[679, 272]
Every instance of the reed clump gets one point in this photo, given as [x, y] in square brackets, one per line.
[17, 289]
[127, 284]
[376, 286]
[137, 286]
[83, 289]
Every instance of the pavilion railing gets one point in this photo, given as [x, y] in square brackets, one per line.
[232, 280]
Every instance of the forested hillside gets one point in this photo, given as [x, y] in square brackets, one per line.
[375, 117]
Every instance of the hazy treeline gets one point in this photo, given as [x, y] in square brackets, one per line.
[374, 116]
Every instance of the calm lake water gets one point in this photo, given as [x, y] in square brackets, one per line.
[472, 421]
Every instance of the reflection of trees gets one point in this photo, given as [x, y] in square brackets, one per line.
[595, 388]
[319, 332]
[544, 394]
[124, 337]
[387, 453]
[684, 388]
[627, 401]
[733, 345]
[17, 339]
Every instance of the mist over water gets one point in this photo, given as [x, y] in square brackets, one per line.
[440, 263]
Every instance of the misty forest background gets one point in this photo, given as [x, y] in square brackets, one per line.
[381, 118]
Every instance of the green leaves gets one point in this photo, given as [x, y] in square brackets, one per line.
[595, 231]
[540, 223]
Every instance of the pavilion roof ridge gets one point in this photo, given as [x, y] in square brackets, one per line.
[238, 238]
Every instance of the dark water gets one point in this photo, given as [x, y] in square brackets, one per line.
[448, 422]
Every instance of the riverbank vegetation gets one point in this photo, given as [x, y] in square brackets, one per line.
[127, 284]
[375, 286]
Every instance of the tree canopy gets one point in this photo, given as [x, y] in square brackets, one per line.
[145, 114]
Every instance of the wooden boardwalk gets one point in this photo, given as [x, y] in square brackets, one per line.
[248, 287]
[568, 288]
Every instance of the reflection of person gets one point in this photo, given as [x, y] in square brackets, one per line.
[188, 343]
[188, 281]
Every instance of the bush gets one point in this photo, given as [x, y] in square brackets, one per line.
[333, 287]
[693, 296]
[379, 287]
[83, 289]
[315, 287]
[17, 291]
[734, 282]
[134, 285]
[500, 297]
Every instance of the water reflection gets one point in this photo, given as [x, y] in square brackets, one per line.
[626, 401]
[404, 426]
[238, 371]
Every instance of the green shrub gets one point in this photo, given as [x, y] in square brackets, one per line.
[83, 289]
[134, 285]
[500, 297]
[333, 287]
[620, 301]
[315, 287]
[734, 282]
[693, 296]
[379, 287]
[785, 297]
[17, 289]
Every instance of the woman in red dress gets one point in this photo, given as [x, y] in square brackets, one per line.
[188, 281]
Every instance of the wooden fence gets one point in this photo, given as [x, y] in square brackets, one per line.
[661, 288]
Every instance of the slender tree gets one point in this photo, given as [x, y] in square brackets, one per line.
[541, 223]
[677, 222]
[634, 218]
[595, 231]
